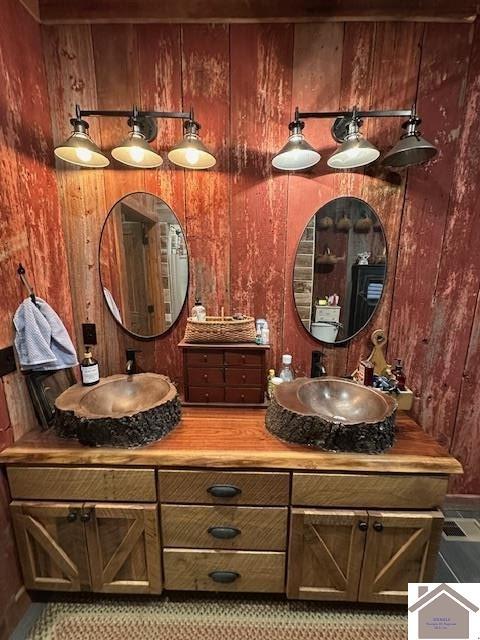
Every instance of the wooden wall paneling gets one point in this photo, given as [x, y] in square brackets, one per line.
[440, 102]
[117, 72]
[314, 87]
[70, 68]
[206, 86]
[449, 358]
[261, 58]
[160, 83]
[393, 85]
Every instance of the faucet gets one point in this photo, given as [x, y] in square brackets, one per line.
[131, 366]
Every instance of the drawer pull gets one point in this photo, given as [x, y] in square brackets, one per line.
[224, 533]
[224, 490]
[363, 526]
[224, 576]
[378, 526]
[86, 515]
[205, 377]
[72, 516]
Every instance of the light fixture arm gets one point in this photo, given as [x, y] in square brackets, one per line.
[390, 113]
[124, 113]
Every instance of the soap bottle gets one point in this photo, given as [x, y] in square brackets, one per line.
[89, 369]
[400, 375]
[265, 334]
[286, 374]
[198, 311]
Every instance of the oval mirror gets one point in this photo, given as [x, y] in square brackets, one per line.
[340, 269]
[143, 265]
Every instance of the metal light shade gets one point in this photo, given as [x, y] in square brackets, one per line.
[411, 149]
[79, 148]
[355, 152]
[135, 151]
[190, 152]
[297, 154]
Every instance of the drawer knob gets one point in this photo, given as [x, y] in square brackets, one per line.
[86, 515]
[224, 533]
[244, 377]
[224, 490]
[205, 376]
[224, 576]
[72, 516]
[205, 358]
[378, 526]
[363, 526]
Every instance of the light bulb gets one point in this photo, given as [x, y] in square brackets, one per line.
[192, 156]
[137, 154]
[85, 155]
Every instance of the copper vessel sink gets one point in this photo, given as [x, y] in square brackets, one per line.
[333, 413]
[121, 410]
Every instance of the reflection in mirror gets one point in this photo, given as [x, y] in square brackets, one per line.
[340, 270]
[143, 264]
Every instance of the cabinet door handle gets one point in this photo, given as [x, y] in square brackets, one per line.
[224, 576]
[224, 490]
[205, 358]
[363, 526]
[378, 526]
[72, 516]
[205, 377]
[224, 533]
[86, 515]
[244, 377]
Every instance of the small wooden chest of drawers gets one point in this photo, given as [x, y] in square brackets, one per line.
[233, 374]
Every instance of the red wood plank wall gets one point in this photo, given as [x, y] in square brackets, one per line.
[31, 233]
[243, 220]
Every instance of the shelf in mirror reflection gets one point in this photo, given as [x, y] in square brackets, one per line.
[346, 258]
[143, 264]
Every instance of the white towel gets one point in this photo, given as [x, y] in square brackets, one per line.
[42, 342]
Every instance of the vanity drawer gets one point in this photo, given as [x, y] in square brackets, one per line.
[368, 490]
[206, 394]
[209, 358]
[82, 483]
[246, 395]
[236, 359]
[200, 376]
[252, 377]
[197, 570]
[224, 487]
[222, 527]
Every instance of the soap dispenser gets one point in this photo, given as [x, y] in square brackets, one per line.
[198, 311]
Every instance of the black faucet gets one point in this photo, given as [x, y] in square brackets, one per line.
[131, 366]
[318, 365]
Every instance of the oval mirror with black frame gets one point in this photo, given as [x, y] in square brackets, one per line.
[340, 270]
[143, 261]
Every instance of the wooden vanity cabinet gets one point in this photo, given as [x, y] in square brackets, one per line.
[107, 548]
[369, 556]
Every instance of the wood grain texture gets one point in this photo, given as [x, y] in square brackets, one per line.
[353, 490]
[257, 528]
[258, 571]
[57, 483]
[237, 438]
[257, 11]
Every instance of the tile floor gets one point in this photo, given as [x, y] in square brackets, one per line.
[457, 562]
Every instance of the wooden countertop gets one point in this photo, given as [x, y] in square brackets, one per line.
[237, 438]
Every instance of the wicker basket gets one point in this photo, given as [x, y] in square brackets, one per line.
[220, 330]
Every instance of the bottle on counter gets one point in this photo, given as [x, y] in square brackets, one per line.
[399, 374]
[286, 373]
[265, 334]
[198, 311]
[89, 369]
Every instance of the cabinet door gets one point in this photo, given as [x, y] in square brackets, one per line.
[401, 547]
[51, 545]
[123, 548]
[325, 553]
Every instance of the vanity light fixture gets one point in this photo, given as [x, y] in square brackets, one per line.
[79, 148]
[297, 154]
[190, 152]
[354, 150]
[135, 151]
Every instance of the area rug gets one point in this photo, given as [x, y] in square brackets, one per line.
[216, 619]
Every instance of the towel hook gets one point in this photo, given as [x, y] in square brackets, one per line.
[21, 272]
